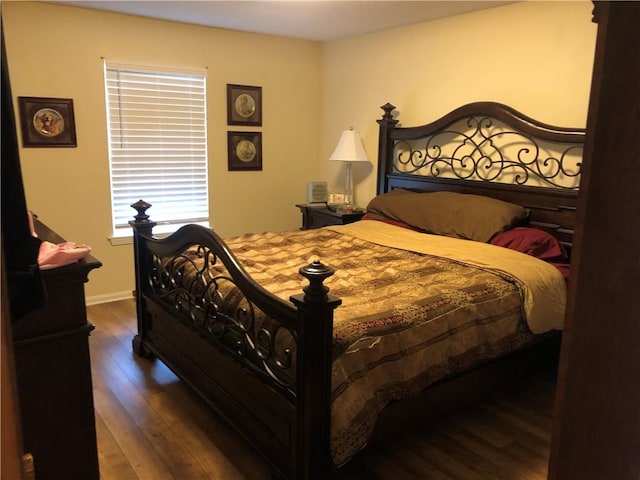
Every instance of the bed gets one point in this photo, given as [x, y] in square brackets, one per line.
[311, 343]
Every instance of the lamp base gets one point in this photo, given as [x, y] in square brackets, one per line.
[348, 193]
[345, 208]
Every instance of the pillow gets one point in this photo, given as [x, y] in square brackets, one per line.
[397, 223]
[536, 243]
[472, 217]
[532, 241]
[565, 269]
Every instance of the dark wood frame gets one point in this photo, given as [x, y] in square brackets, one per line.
[289, 424]
[235, 163]
[30, 107]
[234, 117]
[596, 417]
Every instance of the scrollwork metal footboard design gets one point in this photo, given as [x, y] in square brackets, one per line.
[261, 361]
[197, 286]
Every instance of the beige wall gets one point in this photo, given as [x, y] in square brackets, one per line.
[55, 51]
[534, 56]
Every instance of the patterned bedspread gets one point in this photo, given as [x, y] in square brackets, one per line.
[407, 318]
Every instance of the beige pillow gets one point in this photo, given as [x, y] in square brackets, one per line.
[473, 217]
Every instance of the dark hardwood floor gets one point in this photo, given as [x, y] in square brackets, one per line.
[152, 426]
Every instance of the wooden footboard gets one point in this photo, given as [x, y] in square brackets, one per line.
[279, 404]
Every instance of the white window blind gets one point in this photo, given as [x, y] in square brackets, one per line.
[157, 145]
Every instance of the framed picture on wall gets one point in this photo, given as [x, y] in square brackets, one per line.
[244, 105]
[47, 122]
[245, 150]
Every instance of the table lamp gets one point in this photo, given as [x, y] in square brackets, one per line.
[350, 149]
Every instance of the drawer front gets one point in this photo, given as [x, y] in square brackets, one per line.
[318, 219]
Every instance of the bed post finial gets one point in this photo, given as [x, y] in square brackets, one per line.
[141, 206]
[142, 223]
[316, 272]
[388, 108]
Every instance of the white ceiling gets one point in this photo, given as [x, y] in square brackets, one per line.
[320, 20]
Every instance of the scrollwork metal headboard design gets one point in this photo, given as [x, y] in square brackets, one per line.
[484, 149]
[487, 142]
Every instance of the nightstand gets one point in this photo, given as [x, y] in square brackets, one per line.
[321, 216]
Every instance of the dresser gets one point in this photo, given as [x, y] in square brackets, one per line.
[53, 374]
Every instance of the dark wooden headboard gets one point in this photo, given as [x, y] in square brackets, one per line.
[490, 149]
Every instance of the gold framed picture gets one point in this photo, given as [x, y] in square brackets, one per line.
[244, 105]
[245, 150]
[47, 122]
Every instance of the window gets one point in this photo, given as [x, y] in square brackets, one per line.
[157, 145]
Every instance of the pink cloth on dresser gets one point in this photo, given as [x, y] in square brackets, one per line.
[54, 255]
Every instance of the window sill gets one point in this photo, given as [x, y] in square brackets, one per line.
[115, 241]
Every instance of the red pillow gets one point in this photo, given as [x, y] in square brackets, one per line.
[565, 269]
[536, 243]
[532, 241]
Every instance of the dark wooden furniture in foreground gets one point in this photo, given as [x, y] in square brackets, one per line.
[290, 427]
[597, 425]
[316, 217]
[53, 373]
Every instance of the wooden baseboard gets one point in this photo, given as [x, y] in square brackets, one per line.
[109, 297]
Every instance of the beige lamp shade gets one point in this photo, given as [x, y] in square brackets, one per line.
[350, 148]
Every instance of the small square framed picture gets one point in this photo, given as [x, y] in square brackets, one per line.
[245, 150]
[47, 122]
[244, 105]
